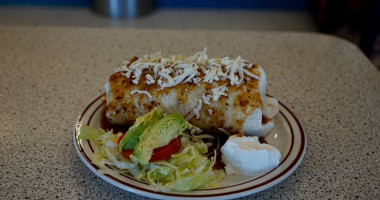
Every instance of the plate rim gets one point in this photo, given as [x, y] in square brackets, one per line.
[282, 175]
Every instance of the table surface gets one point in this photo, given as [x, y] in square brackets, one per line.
[49, 75]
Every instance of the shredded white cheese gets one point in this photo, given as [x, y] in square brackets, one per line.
[210, 111]
[171, 70]
[141, 92]
[250, 74]
[150, 79]
[168, 71]
[206, 99]
[197, 109]
[218, 92]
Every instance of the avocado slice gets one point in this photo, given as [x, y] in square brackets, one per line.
[158, 135]
[132, 137]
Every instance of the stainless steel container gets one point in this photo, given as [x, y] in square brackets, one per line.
[123, 8]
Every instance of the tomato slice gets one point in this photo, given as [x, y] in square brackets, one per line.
[120, 138]
[127, 153]
[161, 153]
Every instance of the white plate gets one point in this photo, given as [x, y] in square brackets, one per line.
[288, 136]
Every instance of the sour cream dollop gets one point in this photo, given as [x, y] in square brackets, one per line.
[248, 157]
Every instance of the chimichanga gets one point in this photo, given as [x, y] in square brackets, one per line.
[212, 94]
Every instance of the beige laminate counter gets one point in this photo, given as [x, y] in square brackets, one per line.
[49, 75]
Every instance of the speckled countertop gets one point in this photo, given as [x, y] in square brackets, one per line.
[49, 75]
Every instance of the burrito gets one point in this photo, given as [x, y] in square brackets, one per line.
[214, 94]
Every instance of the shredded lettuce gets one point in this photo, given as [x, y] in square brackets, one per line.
[87, 132]
[190, 170]
[187, 170]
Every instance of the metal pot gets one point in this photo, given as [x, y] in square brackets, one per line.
[123, 8]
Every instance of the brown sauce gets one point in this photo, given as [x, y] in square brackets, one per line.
[217, 143]
[262, 140]
[265, 120]
[107, 126]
